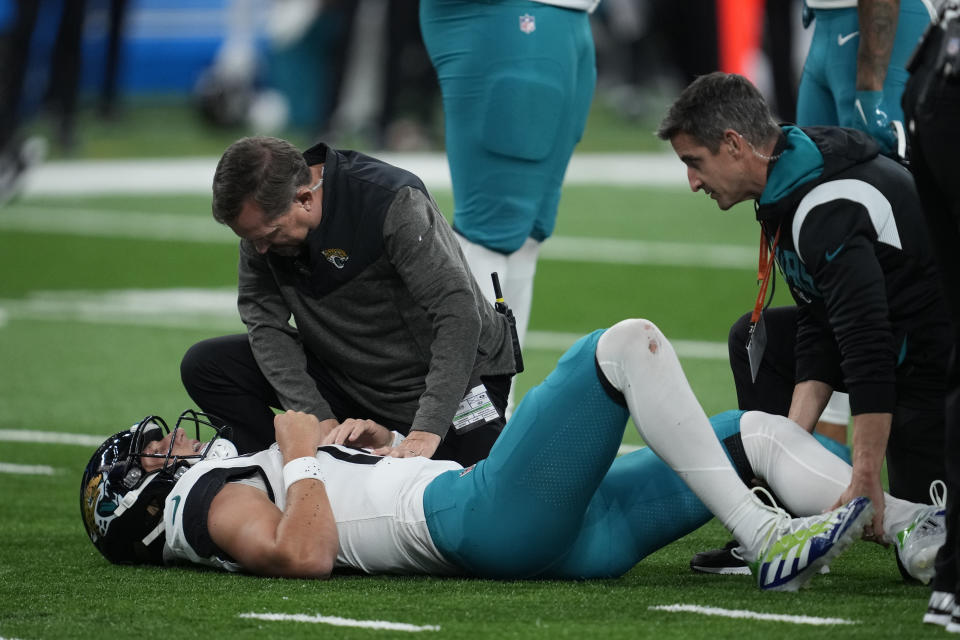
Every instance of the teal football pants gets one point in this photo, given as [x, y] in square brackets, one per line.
[828, 83]
[517, 79]
[552, 499]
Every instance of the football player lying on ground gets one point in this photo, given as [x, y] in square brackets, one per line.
[552, 500]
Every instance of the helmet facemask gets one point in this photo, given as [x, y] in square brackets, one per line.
[122, 503]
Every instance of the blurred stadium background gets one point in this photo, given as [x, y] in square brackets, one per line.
[113, 227]
[110, 267]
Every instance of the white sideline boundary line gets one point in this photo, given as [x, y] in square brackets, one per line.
[339, 622]
[751, 615]
[27, 469]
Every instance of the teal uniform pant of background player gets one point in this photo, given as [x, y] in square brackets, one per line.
[517, 79]
[828, 82]
[552, 499]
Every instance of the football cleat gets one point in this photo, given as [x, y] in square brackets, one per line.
[954, 625]
[939, 608]
[918, 543]
[727, 561]
[795, 549]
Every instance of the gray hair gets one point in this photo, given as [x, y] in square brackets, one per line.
[714, 103]
[269, 170]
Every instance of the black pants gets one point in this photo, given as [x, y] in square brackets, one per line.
[65, 67]
[916, 437]
[931, 105]
[223, 378]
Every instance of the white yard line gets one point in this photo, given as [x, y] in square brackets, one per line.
[53, 437]
[643, 252]
[27, 469]
[216, 309]
[561, 341]
[339, 622]
[42, 437]
[751, 615]
[195, 175]
[50, 437]
[135, 225]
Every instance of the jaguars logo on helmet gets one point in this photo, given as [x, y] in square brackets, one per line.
[122, 504]
[89, 503]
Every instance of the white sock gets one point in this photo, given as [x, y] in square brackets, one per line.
[837, 410]
[639, 361]
[518, 294]
[518, 284]
[482, 263]
[516, 273]
[803, 473]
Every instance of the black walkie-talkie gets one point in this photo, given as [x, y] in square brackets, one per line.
[502, 308]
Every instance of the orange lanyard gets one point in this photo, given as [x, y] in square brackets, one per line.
[764, 269]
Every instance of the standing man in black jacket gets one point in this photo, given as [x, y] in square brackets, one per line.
[845, 227]
[388, 323]
[931, 104]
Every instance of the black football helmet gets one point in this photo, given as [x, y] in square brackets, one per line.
[121, 504]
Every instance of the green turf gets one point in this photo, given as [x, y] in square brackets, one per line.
[68, 374]
[148, 126]
[171, 126]
[53, 584]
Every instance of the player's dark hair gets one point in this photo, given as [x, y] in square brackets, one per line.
[714, 103]
[269, 170]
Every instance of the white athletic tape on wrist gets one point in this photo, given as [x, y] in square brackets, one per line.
[397, 438]
[300, 468]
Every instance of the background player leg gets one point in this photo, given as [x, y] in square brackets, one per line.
[809, 479]
[639, 361]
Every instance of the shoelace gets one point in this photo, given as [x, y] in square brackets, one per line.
[776, 510]
[938, 493]
[938, 499]
[773, 503]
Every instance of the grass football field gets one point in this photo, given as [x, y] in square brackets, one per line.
[96, 313]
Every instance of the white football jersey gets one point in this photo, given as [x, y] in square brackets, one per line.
[377, 503]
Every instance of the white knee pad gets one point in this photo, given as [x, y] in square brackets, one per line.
[639, 361]
[635, 347]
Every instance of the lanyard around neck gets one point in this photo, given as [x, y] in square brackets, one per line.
[764, 270]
